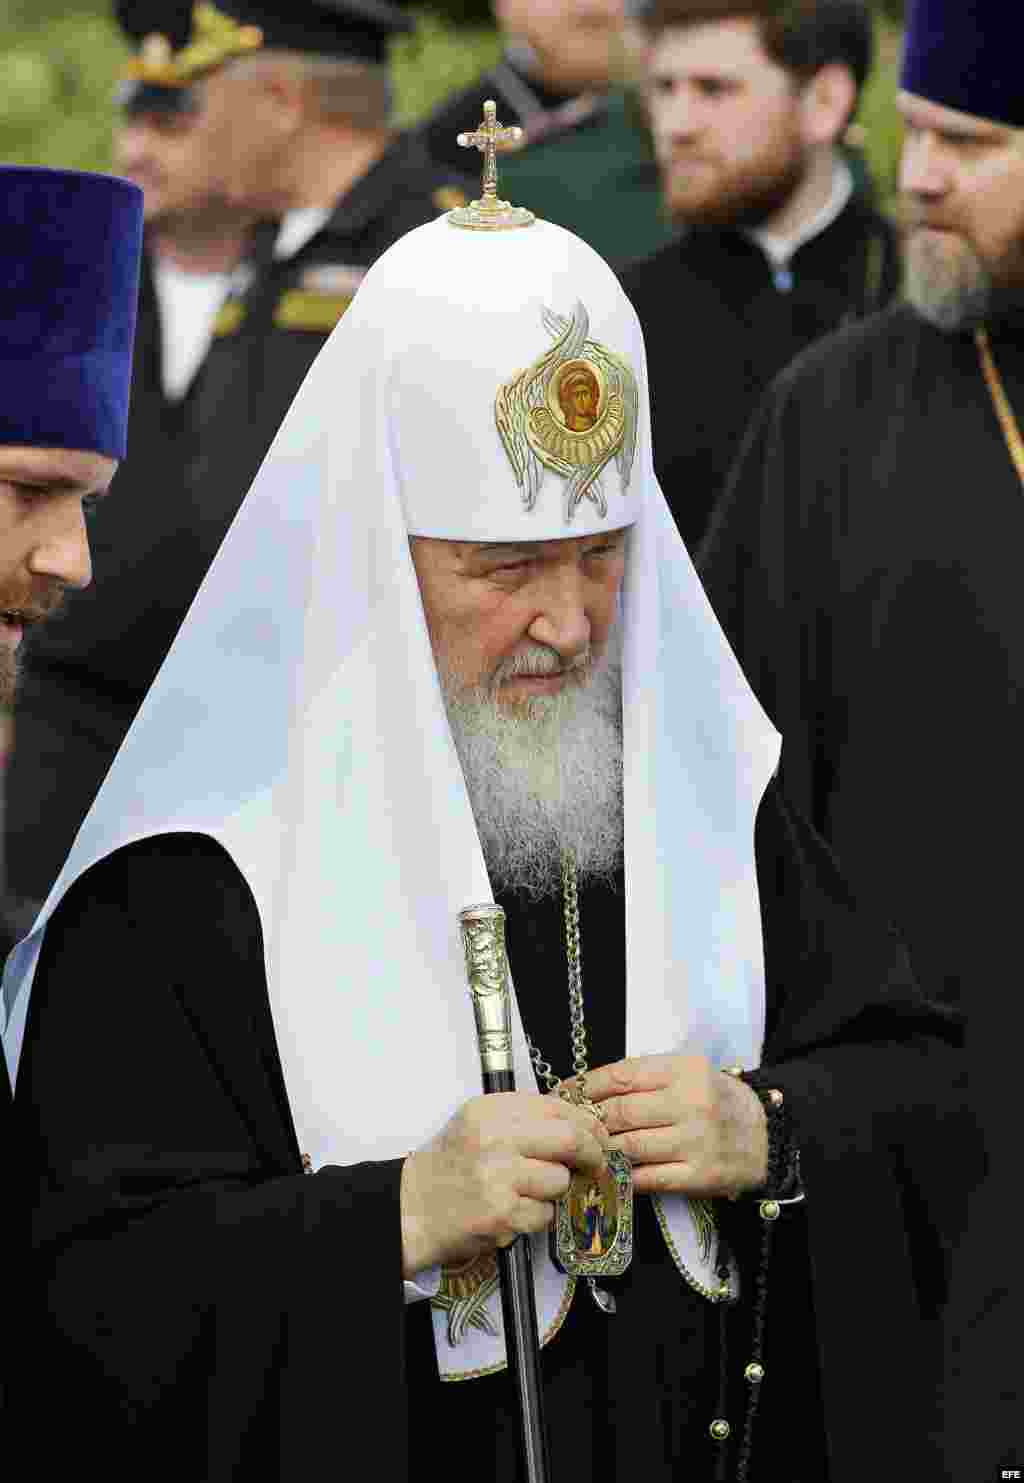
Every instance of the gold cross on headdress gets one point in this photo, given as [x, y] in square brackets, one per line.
[488, 139]
[490, 214]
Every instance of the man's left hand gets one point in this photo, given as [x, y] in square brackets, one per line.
[687, 1128]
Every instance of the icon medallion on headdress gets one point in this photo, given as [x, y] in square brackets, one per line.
[572, 411]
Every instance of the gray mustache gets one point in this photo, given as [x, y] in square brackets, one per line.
[539, 661]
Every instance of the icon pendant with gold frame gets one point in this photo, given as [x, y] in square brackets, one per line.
[593, 1231]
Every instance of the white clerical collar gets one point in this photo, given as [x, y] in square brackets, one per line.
[780, 250]
[298, 228]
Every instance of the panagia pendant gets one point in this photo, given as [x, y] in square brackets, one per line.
[593, 1231]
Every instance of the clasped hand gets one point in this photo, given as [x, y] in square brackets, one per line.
[496, 1169]
[685, 1127]
[493, 1173]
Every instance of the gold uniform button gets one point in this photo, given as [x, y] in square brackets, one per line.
[449, 198]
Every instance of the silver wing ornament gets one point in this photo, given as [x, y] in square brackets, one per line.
[572, 411]
[702, 1213]
[464, 1295]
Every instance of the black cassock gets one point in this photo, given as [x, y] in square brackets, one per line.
[866, 565]
[719, 324]
[202, 1308]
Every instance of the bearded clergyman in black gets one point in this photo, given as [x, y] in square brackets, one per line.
[866, 566]
[453, 649]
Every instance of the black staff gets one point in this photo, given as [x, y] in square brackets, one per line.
[483, 936]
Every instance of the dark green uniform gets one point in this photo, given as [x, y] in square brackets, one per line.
[190, 466]
[586, 164]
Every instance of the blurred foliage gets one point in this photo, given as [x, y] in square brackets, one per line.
[877, 118]
[59, 62]
[440, 58]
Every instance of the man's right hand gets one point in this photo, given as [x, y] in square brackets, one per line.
[493, 1173]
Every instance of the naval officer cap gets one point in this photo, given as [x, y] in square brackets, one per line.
[69, 280]
[965, 55]
[354, 30]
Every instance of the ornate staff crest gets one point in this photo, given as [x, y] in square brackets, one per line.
[573, 411]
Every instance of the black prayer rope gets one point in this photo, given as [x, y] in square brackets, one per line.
[724, 1304]
[782, 1182]
[754, 1373]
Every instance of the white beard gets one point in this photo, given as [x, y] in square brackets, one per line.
[545, 778]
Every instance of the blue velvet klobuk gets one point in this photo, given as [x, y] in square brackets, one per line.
[966, 54]
[70, 247]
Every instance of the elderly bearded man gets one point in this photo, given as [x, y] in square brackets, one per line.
[272, 875]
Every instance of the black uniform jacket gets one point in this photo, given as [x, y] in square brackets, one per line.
[866, 565]
[719, 324]
[203, 1309]
[189, 468]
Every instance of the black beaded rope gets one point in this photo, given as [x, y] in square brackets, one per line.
[724, 1304]
[757, 1346]
[782, 1182]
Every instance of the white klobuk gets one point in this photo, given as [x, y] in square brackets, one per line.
[298, 719]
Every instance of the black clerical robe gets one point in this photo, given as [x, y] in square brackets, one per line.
[203, 1308]
[866, 565]
[720, 322]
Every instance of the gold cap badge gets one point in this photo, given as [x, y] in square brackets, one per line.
[216, 38]
[572, 411]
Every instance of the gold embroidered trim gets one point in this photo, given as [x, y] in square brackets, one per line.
[712, 1294]
[556, 1324]
[216, 39]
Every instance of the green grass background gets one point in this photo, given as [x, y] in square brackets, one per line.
[59, 61]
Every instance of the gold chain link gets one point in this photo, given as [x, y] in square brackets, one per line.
[577, 1022]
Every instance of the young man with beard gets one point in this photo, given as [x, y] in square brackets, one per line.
[68, 299]
[85, 676]
[748, 101]
[452, 648]
[68, 291]
[865, 564]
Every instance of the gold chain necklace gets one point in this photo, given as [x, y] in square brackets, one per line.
[1000, 401]
[593, 1231]
[577, 1022]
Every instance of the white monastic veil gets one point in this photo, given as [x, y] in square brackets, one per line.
[298, 720]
